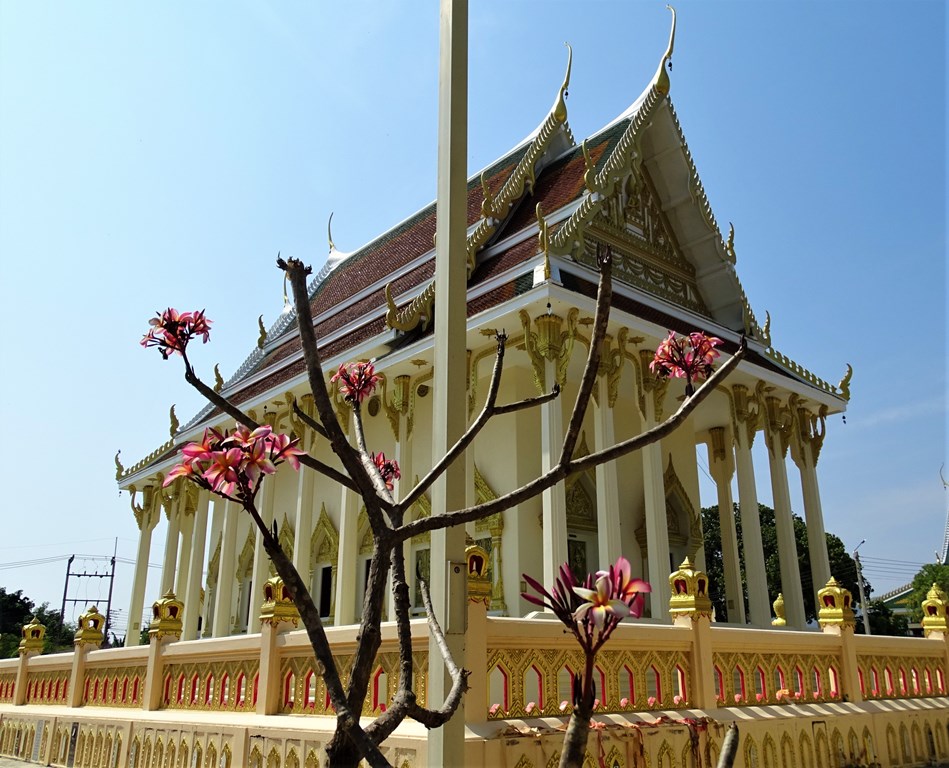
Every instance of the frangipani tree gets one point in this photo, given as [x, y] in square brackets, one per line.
[590, 611]
[234, 464]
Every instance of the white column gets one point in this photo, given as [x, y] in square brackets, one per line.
[186, 527]
[223, 600]
[756, 578]
[303, 514]
[607, 482]
[210, 601]
[347, 567]
[657, 525]
[173, 510]
[261, 572]
[403, 455]
[806, 445]
[147, 520]
[814, 517]
[554, 499]
[784, 523]
[722, 466]
[303, 523]
[192, 592]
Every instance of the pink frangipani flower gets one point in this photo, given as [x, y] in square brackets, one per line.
[171, 331]
[388, 469]
[599, 603]
[231, 464]
[685, 357]
[356, 381]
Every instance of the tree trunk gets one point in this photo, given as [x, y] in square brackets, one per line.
[341, 752]
[575, 740]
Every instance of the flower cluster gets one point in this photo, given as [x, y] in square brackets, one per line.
[686, 357]
[388, 468]
[231, 464]
[593, 609]
[356, 381]
[172, 330]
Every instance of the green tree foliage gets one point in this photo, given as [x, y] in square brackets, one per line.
[883, 621]
[929, 574]
[16, 610]
[842, 566]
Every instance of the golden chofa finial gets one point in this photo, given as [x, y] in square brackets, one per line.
[661, 80]
[329, 233]
[218, 378]
[119, 469]
[173, 421]
[560, 105]
[263, 332]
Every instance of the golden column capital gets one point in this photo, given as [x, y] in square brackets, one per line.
[550, 342]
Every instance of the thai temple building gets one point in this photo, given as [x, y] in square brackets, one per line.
[228, 680]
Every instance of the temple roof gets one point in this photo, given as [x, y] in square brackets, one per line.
[632, 184]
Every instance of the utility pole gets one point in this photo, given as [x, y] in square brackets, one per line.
[863, 599]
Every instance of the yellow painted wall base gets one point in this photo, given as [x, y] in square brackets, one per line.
[886, 733]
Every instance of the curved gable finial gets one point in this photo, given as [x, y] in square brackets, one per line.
[560, 106]
[329, 232]
[661, 80]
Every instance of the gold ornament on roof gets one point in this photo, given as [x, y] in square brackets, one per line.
[559, 112]
[844, 385]
[263, 332]
[661, 80]
[172, 421]
[836, 606]
[329, 232]
[218, 378]
[487, 203]
[119, 469]
[766, 330]
[730, 245]
[934, 611]
[166, 617]
[589, 175]
[33, 638]
[544, 238]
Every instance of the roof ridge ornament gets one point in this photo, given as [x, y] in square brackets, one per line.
[329, 232]
[559, 110]
[661, 79]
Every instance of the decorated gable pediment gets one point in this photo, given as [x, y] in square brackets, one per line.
[645, 250]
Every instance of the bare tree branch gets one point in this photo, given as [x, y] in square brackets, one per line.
[242, 418]
[527, 402]
[560, 471]
[306, 419]
[434, 718]
[297, 273]
[604, 296]
[465, 440]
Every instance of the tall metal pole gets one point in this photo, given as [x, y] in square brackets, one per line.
[863, 600]
[446, 745]
[66, 587]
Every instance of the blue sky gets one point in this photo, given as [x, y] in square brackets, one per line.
[161, 154]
